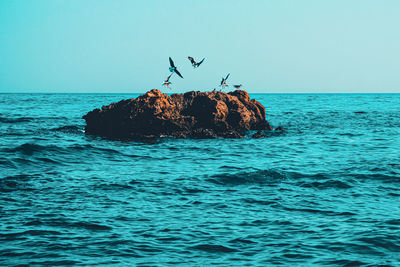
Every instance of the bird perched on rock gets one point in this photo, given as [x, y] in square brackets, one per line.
[238, 86]
[223, 82]
[167, 82]
[194, 63]
[172, 68]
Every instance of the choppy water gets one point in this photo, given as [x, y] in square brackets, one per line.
[326, 192]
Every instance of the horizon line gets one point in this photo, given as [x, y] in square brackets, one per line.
[143, 92]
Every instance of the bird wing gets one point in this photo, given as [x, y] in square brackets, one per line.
[222, 81]
[201, 62]
[167, 80]
[177, 72]
[191, 60]
[171, 62]
[227, 76]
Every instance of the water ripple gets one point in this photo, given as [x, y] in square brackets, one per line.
[324, 193]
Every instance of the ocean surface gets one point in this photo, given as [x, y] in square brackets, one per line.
[326, 192]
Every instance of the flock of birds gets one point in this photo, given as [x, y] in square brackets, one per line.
[195, 64]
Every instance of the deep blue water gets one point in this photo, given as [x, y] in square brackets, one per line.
[327, 192]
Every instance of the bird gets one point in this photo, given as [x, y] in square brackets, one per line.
[173, 69]
[223, 82]
[194, 63]
[167, 82]
[238, 86]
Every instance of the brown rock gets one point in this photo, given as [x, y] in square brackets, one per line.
[193, 114]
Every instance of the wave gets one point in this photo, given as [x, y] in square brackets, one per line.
[326, 184]
[69, 129]
[254, 177]
[24, 234]
[319, 181]
[319, 211]
[103, 151]
[13, 183]
[213, 248]
[242, 240]
[7, 163]
[387, 242]
[343, 262]
[15, 120]
[87, 147]
[30, 148]
[12, 253]
[377, 176]
[66, 223]
[91, 226]
[54, 263]
[112, 187]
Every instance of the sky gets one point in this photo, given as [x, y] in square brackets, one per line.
[269, 46]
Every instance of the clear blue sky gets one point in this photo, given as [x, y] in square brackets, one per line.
[267, 45]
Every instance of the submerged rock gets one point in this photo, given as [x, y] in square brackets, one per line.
[194, 114]
[259, 134]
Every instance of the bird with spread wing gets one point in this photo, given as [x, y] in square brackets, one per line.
[194, 63]
[223, 82]
[167, 83]
[173, 69]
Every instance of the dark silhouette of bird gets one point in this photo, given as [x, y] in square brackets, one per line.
[173, 69]
[238, 86]
[223, 82]
[194, 63]
[167, 82]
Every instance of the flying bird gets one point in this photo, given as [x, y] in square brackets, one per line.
[167, 82]
[173, 69]
[238, 86]
[223, 82]
[194, 63]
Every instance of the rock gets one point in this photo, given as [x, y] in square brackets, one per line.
[279, 128]
[259, 134]
[193, 114]
[203, 134]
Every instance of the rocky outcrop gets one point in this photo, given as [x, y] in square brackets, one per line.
[193, 114]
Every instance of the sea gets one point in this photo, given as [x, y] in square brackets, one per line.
[326, 192]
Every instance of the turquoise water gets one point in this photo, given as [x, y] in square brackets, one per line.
[327, 192]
